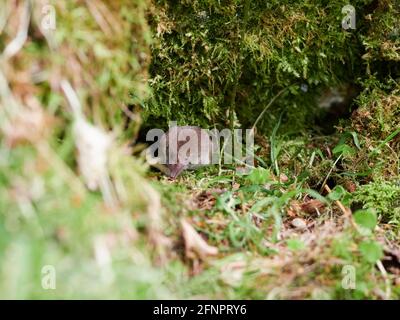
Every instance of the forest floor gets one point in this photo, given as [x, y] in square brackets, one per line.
[83, 216]
[271, 235]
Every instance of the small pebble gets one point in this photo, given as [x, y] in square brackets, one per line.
[299, 224]
[283, 178]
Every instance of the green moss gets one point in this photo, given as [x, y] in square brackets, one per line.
[211, 57]
[379, 110]
[213, 63]
[382, 196]
[382, 42]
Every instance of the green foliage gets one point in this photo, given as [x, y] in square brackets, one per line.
[213, 57]
[382, 196]
[366, 219]
[259, 176]
[373, 152]
[344, 150]
[337, 193]
[295, 244]
[371, 251]
[383, 39]
[213, 63]
[379, 109]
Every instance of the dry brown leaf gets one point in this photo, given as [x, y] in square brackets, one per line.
[312, 206]
[205, 200]
[294, 209]
[350, 186]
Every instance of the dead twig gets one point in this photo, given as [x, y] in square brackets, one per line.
[382, 269]
[346, 211]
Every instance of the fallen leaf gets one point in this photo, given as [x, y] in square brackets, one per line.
[350, 186]
[312, 206]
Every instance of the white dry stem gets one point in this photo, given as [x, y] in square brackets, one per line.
[104, 259]
[18, 42]
[388, 291]
[72, 98]
[195, 245]
[93, 146]
[156, 235]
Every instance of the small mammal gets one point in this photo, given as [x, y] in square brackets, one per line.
[185, 147]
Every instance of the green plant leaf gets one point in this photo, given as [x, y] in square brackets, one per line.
[259, 176]
[343, 149]
[337, 193]
[371, 251]
[366, 219]
[295, 244]
[355, 140]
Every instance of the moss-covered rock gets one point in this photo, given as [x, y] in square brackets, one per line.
[212, 58]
